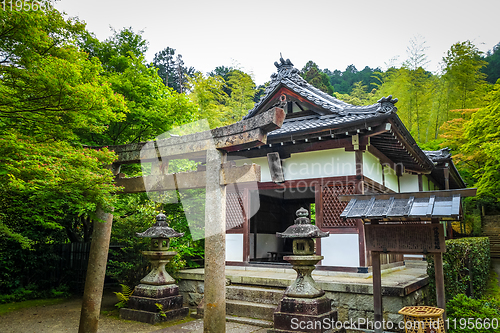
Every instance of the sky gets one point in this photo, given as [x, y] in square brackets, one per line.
[251, 35]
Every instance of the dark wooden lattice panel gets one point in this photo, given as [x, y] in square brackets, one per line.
[235, 214]
[333, 207]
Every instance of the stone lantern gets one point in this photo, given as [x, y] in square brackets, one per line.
[158, 287]
[303, 301]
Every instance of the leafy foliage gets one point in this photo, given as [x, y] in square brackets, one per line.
[153, 108]
[466, 266]
[52, 90]
[222, 100]
[475, 137]
[468, 315]
[123, 296]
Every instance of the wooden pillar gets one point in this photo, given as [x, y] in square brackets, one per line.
[446, 173]
[215, 246]
[377, 292]
[96, 270]
[359, 172]
[438, 267]
[246, 224]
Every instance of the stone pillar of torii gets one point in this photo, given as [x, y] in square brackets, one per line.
[211, 146]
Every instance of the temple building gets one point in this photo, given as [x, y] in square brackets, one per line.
[325, 148]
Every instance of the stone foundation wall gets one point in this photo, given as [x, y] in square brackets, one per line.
[192, 291]
[352, 306]
[349, 305]
[352, 298]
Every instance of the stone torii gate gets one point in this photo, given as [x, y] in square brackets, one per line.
[213, 147]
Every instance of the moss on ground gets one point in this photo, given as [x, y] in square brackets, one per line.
[9, 307]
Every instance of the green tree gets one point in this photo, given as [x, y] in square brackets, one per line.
[312, 74]
[153, 107]
[463, 76]
[242, 91]
[482, 145]
[492, 69]
[207, 93]
[220, 100]
[50, 91]
[417, 84]
[172, 70]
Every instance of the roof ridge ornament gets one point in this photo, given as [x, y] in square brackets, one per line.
[284, 62]
[387, 104]
[286, 70]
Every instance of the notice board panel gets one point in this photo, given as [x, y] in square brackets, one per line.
[405, 238]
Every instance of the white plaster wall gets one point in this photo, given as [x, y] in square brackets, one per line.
[314, 164]
[408, 183]
[318, 164]
[264, 167]
[391, 180]
[234, 247]
[340, 250]
[265, 243]
[372, 168]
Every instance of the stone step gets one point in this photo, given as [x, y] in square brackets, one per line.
[250, 309]
[250, 321]
[254, 294]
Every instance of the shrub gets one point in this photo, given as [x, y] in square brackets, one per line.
[466, 266]
[467, 315]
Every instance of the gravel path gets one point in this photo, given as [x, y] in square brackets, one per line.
[65, 317]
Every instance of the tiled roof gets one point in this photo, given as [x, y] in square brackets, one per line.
[438, 155]
[428, 205]
[315, 122]
[288, 76]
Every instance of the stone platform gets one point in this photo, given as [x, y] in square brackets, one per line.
[143, 304]
[351, 293]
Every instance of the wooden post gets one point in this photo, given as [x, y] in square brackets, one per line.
[246, 225]
[377, 292]
[215, 246]
[446, 173]
[438, 267]
[96, 271]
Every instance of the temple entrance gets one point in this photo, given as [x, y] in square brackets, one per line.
[276, 213]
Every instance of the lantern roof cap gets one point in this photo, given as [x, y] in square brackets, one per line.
[160, 229]
[302, 227]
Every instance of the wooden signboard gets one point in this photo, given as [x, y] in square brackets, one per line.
[405, 238]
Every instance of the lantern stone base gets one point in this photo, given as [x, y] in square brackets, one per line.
[142, 306]
[314, 315]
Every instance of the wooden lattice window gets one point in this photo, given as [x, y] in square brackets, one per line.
[235, 214]
[333, 207]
